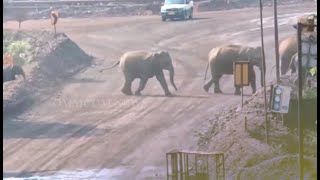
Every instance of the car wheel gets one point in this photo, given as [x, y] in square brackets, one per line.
[185, 15]
[163, 18]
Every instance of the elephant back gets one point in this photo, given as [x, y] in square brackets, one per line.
[289, 46]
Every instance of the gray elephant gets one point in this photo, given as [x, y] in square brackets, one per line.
[10, 72]
[145, 65]
[287, 49]
[221, 61]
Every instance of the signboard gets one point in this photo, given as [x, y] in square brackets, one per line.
[280, 99]
[241, 73]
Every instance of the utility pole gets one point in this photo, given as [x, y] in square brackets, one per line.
[276, 40]
[300, 127]
[264, 75]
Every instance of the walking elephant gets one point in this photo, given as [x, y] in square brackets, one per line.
[10, 72]
[145, 65]
[287, 49]
[221, 61]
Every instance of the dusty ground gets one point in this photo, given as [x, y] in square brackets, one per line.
[90, 124]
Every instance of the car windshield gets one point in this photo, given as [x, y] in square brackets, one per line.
[174, 2]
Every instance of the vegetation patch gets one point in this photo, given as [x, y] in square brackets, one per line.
[20, 51]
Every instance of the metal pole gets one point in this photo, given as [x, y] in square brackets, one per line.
[181, 166]
[241, 97]
[263, 74]
[300, 127]
[167, 166]
[276, 40]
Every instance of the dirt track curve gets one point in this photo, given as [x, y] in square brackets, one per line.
[90, 124]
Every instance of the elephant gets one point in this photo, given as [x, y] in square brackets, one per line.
[287, 49]
[221, 61]
[10, 72]
[144, 65]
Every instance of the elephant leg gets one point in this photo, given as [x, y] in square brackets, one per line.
[216, 79]
[208, 84]
[163, 83]
[284, 66]
[142, 85]
[126, 88]
[252, 76]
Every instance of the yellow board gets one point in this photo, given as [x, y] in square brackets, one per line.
[241, 73]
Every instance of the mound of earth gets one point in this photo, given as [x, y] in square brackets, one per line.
[247, 154]
[56, 57]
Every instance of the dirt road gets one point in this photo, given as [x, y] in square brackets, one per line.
[89, 124]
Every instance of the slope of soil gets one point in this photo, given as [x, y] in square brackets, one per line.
[55, 59]
[247, 155]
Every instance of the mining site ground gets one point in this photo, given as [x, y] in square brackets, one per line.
[88, 129]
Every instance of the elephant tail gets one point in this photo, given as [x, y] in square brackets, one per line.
[114, 65]
[205, 74]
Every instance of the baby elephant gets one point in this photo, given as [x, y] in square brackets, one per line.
[10, 72]
[221, 61]
[145, 65]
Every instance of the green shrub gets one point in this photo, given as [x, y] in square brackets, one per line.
[313, 71]
[310, 93]
[20, 51]
[6, 42]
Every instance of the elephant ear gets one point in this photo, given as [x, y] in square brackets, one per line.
[258, 51]
[153, 57]
[254, 53]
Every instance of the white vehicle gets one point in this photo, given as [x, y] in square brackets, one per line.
[177, 9]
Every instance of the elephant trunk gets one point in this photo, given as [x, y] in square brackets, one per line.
[171, 71]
